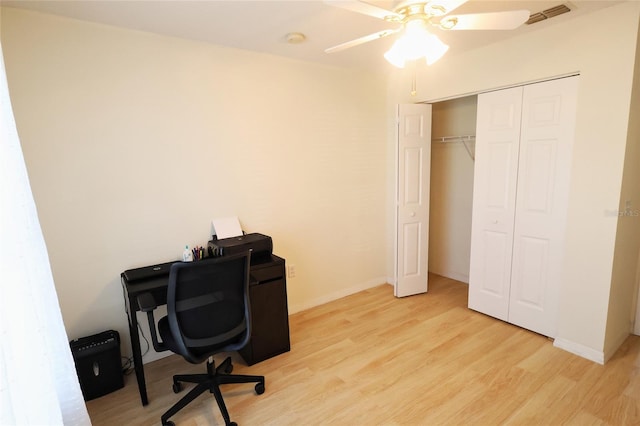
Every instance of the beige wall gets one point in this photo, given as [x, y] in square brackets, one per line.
[601, 46]
[128, 138]
[625, 276]
[134, 142]
[451, 188]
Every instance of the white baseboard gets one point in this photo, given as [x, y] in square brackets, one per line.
[608, 352]
[335, 295]
[580, 350]
[457, 276]
[152, 355]
[591, 354]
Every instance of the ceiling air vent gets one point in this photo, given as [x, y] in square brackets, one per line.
[549, 13]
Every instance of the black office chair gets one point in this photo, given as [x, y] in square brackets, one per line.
[208, 312]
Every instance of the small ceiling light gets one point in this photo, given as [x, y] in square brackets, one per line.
[415, 43]
[295, 38]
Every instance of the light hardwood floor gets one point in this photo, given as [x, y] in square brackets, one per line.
[372, 359]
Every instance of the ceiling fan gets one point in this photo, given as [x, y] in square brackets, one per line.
[415, 17]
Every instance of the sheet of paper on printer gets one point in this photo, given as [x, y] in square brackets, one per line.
[227, 227]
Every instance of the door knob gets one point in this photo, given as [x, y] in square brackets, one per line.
[413, 214]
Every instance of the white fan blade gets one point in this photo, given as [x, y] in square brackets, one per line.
[509, 20]
[442, 7]
[361, 40]
[364, 8]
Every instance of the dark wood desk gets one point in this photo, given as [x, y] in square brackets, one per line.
[269, 312]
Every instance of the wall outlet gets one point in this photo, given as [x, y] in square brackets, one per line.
[291, 271]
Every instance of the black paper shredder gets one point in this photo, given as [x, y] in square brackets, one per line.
[98, 363]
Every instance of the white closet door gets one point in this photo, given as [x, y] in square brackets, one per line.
[413, 182]
[546, 141]
[494, 192]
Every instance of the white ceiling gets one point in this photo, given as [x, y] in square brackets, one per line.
[262, 25]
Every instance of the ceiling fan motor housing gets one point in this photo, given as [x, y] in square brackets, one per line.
[428, 9]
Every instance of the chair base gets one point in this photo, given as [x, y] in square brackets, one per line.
[211, 382]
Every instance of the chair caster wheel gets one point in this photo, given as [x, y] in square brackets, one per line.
[259, 388]
[232, 424]
[228, 369]
[168, 423]
[177, 387]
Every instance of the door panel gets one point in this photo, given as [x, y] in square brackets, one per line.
[539, 159]
[530, 272]
[548, 124]
[497, 247]
[494, 192]
[411, 249]
[412, 231]
[499, 190]
[412, 176]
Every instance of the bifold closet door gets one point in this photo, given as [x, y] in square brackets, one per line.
[412, 214]
[546, 146]
[494, 200]
[521, 190]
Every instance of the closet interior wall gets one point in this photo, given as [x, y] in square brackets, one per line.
[451, 187]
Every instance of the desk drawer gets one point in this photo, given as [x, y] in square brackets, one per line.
[267, 274]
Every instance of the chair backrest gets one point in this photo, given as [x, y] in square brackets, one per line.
[208, 306]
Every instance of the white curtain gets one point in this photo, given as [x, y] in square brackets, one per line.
[38, 381]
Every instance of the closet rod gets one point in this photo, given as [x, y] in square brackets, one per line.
[464, 139]
[453, 138]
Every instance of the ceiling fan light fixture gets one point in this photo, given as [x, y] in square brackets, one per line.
[414, 44]
[395, 57]
[437, 49]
